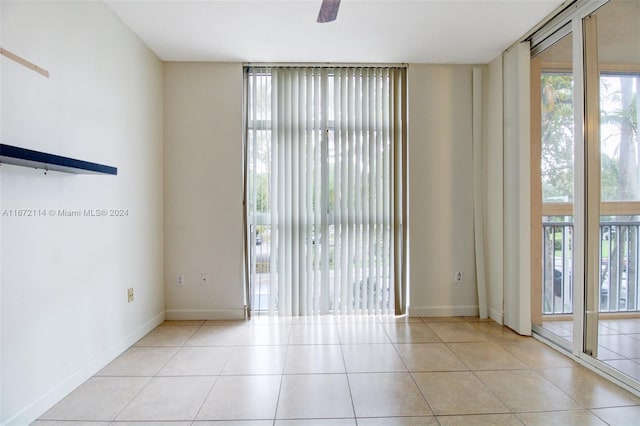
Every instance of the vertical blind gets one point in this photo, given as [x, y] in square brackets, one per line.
[324, 189]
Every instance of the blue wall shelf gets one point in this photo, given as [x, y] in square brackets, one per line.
[10, 154]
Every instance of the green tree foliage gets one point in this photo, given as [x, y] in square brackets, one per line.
[262, 193]
[557, 137]
[609, 177]
[620, 169]
[619, 124]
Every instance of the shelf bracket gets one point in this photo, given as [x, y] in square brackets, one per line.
[24, 62]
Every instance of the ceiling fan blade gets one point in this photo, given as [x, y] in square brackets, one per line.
[328, 11]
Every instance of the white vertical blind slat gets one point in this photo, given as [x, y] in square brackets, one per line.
[351, 202]
[357, 193]
[295, 204]
[288, 222]
[343, 105]
[366, 164]
[370, 194]
[317, 211]
[324, 172]
[386, 176]
[305, 112]
[277, 255]
[382, 187]
[334, 207]
[309, 220]
[375, 280]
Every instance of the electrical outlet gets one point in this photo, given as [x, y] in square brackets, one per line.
[204, 279]
[180, 280]
[458, 278]
[130, 295]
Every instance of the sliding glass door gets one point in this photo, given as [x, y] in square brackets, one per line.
[612, 82]
[585, 81]
[325, 167]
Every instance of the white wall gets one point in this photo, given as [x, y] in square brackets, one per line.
[203, 189]
[441, 190]
[64, 279]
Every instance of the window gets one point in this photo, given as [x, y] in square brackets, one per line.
[324, 189]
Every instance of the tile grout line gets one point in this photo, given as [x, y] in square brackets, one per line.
[217, 377]
[424, 397]
[151, 378]
[535, 372]
[284, 366]
[491, 391]
[346, 373]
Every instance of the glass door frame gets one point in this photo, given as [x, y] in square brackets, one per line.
[589, 303]
[540, 209]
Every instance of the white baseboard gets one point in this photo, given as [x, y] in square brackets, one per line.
[34, 410]
[444, 311]
[204, 314]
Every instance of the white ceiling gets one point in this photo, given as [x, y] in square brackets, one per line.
[372, 31]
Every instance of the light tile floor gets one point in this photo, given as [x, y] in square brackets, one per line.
[618, 342]
[343, 371]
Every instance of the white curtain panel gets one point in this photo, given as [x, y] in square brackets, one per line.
[517, 189]
[322, 148]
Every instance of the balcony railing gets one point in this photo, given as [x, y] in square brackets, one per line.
[363, 289]
[619, 261]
